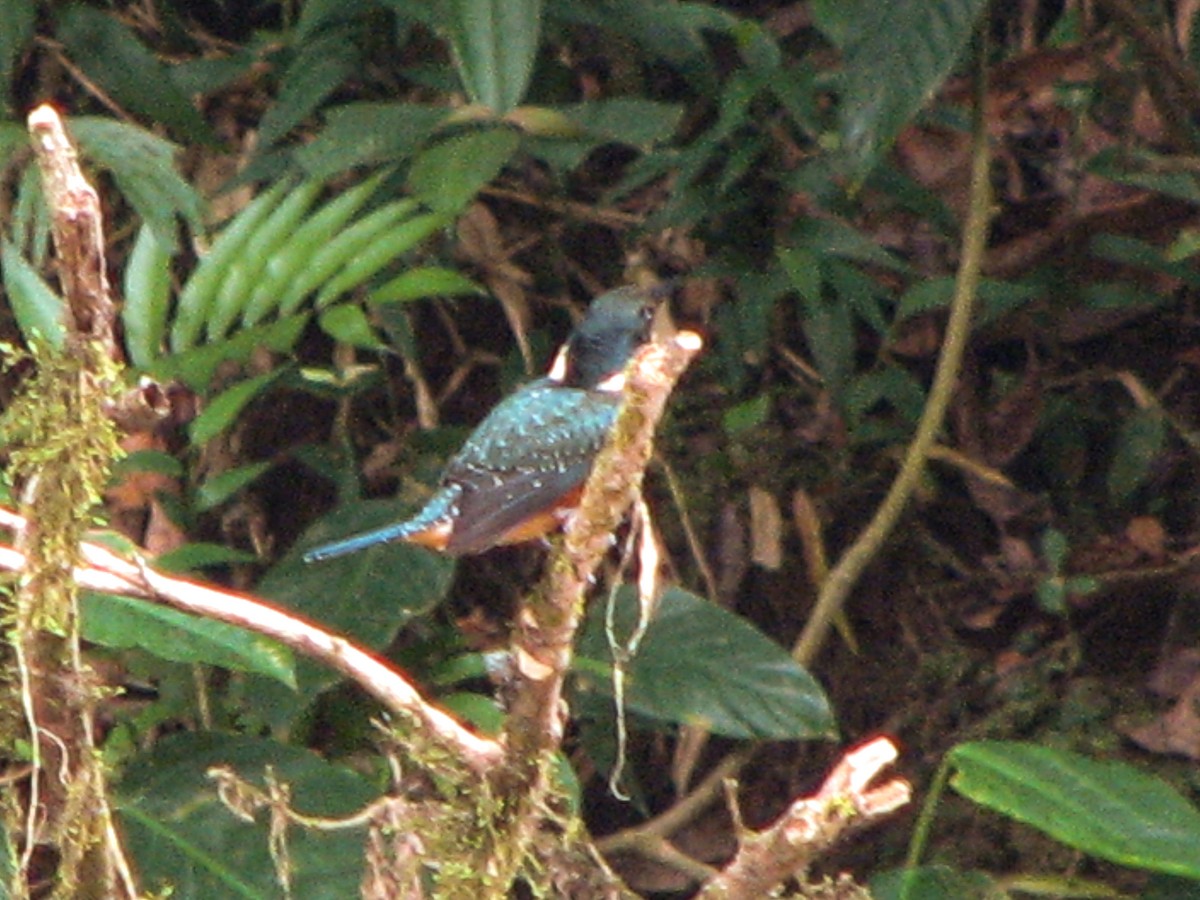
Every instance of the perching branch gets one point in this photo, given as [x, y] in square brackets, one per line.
[544, 633]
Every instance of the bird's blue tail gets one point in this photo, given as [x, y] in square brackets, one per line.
[388, 533]
[439, 509]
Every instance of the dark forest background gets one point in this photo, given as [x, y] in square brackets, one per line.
[342, 231]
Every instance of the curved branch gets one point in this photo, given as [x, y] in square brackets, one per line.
[104, 570]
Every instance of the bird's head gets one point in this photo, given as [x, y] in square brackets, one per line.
[616, 324]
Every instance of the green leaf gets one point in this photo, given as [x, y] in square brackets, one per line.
[158, 462]
[320, 65]
[892, 385]
[421, 282]
[197, 366]
[1106, 809]
[242, 272]
[1139, 444]
[664, 30]
[201, 554]
[183, 836]
[827, 322]
[357, 252]
[1142, 254]
[449, 174]
[147, 297]
[933, 883]
[123, 622]
[16, 31]
[349, 325]
[367, 596]
[897, 54]
[1055, 548]
[380, 252]
[13, 139]
[701, 664]
[749, 414]
[495, 45]
[225, 407]
[627, 120]
[110, 54]
[36, 307]
[1143, 168]
[357, 134]
[199, 294]
[1052, 595]
[291, 259]
[143, 167]
[833, 238]
[216, 490]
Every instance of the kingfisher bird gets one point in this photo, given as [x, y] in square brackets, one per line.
[522, 471]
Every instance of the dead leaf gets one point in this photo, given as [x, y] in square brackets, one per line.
[1177, 731]
[766, 529]
[1147, 534]
[481, 244]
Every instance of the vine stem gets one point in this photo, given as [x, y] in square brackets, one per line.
[836, 588]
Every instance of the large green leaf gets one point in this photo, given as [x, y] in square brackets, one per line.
[147, 297]
[367, 596]
[36, 307]
[123, 622]
[320, 65]
[142, 164]
[181, 834]
[629, 120]
[700, 664]
[449, 174]
[1106, 809]
[896, 53]
[225, 407]
[358, 134]
[495, 46]
[113, 57]
[421, 282]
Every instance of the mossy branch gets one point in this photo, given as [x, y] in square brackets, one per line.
[61, 445]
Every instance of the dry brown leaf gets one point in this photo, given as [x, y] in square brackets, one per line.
[1177, 731]
[481, 244]
[1147, 534]
[766, 529]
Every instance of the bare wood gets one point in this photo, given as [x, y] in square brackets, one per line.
[105, 571]
[78, 231]
[845, 803]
